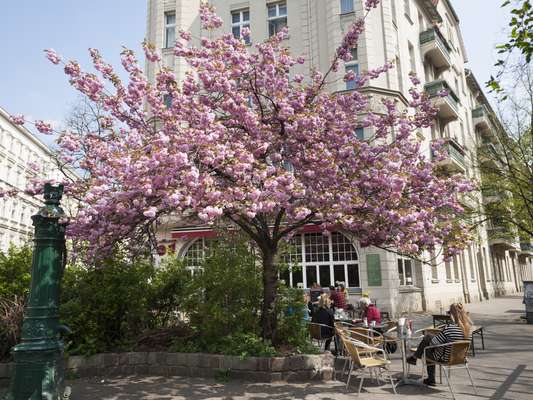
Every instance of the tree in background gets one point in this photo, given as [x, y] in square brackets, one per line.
[246, 141]
[507, 166]
[520, 39]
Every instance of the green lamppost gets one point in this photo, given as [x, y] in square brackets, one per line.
[38, 358]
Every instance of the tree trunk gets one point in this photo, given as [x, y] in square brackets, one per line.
[270, 280]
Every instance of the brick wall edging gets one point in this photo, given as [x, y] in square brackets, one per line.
[261, 369]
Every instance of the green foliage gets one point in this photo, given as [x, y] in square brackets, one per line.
[15, 279]
[520, 39]
[224, 296]
[15, 272]
[111, 307]
[105, 307]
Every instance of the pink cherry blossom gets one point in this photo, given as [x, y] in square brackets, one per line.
[18, 119]
[43, 127]
[248, 143]
[53, 56]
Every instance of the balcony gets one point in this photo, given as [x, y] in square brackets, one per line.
[502, 236]
[491, 196]
[434, 47]
[488, 155]
[448, 106]
[455, 161]
[481, 119]
[526, 248]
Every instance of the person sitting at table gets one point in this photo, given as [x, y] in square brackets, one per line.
[337, 298]
[369, 311]
[324, 315]
[458, 329]
[315, 292]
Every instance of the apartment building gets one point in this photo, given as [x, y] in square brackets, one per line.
[421, 36]
[18, 148]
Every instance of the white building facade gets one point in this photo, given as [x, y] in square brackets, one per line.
[18, 148]
[420, 36]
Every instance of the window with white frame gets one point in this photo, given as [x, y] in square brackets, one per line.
[347, 6]
[456, 261]
[326, 260]
[352, 65]
[399, 73]
[412, 59]
[360, 133]
[407, 8]
[406, 271]
[277, 17]
[196, 253]
[170, 29]
[240, 19]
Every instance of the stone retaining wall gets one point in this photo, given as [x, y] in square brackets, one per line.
[259, 369]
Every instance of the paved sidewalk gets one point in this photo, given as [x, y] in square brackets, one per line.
[503, 371]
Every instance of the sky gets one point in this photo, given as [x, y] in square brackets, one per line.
[31, 85]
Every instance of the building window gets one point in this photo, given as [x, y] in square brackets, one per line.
[196, 253]
[326, 260]
[393, 6]
[399, 74]
[407, 8]
[412, 59]
[448, 268]
[239, 20]
[170, 29]
[347, 6]
[405, 271]
[277, 17]
[360, 133]
[352, 65]
[456, 268]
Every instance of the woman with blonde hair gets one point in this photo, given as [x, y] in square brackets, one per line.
[459, 329]
[324, 316]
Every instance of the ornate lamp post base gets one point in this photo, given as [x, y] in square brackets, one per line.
[38, 358]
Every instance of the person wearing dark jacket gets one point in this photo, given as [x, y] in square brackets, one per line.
[324, 315]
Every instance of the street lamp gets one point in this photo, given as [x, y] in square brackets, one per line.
[38, 373]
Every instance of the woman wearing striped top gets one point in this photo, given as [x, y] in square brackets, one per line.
[459, 329]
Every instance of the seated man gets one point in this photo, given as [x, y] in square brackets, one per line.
[370, 311]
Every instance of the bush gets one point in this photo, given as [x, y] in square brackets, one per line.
[15, 272]
[127, 304]
[107, 307]
[224, 296]
[15, 279]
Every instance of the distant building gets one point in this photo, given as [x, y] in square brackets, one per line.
[18, 148]
[422, 36]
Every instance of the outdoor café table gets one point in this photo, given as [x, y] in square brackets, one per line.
[404, 340]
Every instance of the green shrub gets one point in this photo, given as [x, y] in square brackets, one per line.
[106, 307]
[225, 295]
[15, 279]
[15, 272]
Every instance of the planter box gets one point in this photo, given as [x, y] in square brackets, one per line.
[257, 369]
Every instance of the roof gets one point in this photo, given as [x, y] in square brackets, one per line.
[24, 131]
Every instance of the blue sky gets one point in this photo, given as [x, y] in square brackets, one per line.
[31, 85]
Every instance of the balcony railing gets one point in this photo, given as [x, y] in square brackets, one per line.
[436, 47]
[526, 247]
[448, 105]
[456, 158]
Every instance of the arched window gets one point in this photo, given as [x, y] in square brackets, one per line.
[196, 252]
[327, 260]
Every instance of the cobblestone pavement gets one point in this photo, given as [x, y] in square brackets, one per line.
[503, 371]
